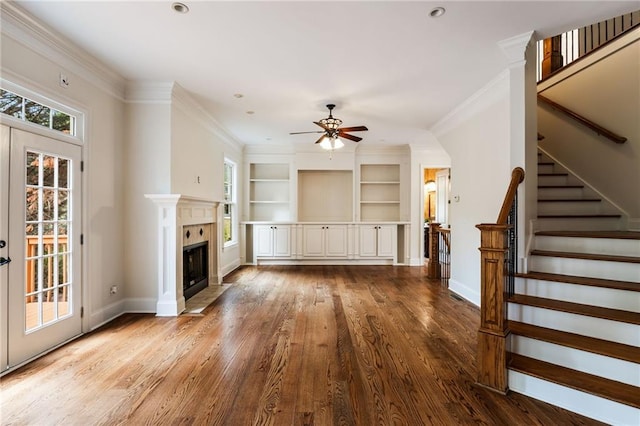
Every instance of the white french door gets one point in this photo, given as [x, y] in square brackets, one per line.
[40, 223]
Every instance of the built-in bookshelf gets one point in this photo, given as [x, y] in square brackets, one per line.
[379, 192]
[269, 198]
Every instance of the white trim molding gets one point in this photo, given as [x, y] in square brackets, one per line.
[26, 30]
[174, 212]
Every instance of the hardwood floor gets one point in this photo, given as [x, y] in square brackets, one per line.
[299, 345]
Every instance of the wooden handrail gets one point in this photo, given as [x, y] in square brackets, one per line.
[517, 176]
[584, 121]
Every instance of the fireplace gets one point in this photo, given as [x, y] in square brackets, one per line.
[185, 223]
[195, 270]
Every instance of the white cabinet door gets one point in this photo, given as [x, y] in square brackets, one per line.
[324, 241]
[282, 241]
[263, 240]
[272, 240]
[386, 240]
[336, 240]
[368, 240]
[313, 240]
[377, 241]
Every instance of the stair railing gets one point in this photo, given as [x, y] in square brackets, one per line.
[582, 120]
[439, 266]
[498, 254]
[561, 50]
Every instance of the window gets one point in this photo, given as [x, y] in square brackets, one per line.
[34, 112]
[229, 209]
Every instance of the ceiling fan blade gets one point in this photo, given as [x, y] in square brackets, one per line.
[350, 137]
[320, 140]
[321, 125]
[354, 129]
[302, 133]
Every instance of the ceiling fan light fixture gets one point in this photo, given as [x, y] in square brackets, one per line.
[331, 122]
[330, 143]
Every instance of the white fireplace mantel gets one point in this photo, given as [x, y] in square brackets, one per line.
[174, 212]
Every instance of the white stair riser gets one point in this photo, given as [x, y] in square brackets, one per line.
[587, 362]
[576, 207]
[586, 295]
[561, 192]
[599, 328]
[620, 271]
[588, 405]
[588, 245]
[579, 224]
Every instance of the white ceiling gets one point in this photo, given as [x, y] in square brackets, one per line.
[386, 64]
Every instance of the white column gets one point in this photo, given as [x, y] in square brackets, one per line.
[170, 298]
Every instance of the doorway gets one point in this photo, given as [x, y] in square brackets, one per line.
[435, 206]
[40, 224]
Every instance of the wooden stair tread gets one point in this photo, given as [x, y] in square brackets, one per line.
[624, 235]
[546, 163]
[570, 200]
[553, 174]
[589, 281]
[577, 341]
[599, 386]
[586, 256]
[577, 308]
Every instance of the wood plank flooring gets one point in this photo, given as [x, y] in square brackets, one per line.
[295, 345]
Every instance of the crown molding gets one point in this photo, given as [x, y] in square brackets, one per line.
[491, 92]
[181, 98]
[33, 34]
[148, 92]
[515, 48]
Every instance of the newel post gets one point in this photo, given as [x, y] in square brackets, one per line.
[493, 333]
[433, 267]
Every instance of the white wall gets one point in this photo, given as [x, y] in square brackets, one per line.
[608, 93]
[147, 165]
[198, 150]
[477, 138]
[36, 64]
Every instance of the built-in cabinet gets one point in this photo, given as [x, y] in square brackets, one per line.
[303, 208]
[377, 240]
[272, 241]
[324, 241]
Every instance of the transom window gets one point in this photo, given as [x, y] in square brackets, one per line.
[229, 209]
[26, 109]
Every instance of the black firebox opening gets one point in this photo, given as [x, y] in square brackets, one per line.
[195, 268]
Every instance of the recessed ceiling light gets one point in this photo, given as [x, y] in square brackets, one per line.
[437, 12]
[180, 7]
[238, 95]
[251, 112]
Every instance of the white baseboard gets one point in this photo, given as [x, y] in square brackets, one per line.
[465, 292]
[588, 405]
[106, 314]
[140, 305]
[227, 269]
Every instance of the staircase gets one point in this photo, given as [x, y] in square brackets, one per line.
[575, 316]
